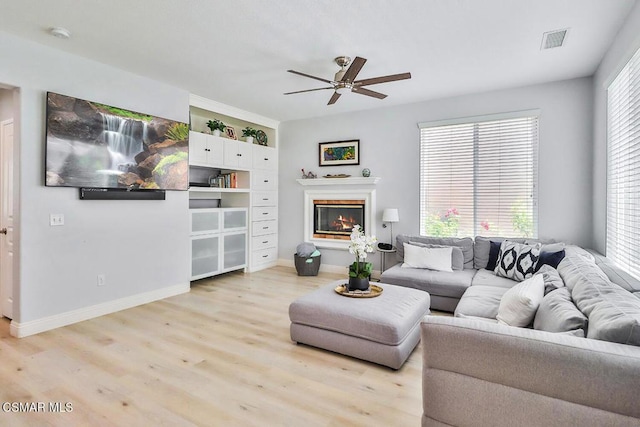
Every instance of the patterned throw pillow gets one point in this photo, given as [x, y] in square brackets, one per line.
[517, 261]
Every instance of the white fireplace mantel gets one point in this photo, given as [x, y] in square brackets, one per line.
[357, 180]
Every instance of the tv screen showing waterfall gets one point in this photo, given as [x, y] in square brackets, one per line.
[89, 144]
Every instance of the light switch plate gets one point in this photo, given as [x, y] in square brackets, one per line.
[56, 219]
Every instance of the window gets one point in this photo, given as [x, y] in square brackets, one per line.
[478, 176]
[623, 168]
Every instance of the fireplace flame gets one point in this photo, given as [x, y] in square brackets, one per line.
[342, 223]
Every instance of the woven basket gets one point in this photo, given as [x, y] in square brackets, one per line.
[305, 268]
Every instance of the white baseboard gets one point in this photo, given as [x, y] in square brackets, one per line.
[24, 329]
[325, 268]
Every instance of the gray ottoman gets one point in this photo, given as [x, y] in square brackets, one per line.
[383, 330]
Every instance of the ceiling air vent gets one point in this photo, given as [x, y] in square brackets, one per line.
[553, 39]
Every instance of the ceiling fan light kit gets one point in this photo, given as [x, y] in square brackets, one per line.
[345, 79]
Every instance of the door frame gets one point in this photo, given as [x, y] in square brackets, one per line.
[16, 106]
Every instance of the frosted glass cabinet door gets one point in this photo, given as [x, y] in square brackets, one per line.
[205, 255]
[205, 221]
[235, 219]
[235, 250]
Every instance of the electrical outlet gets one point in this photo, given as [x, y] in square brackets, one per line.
[102, 280]
[56, 219]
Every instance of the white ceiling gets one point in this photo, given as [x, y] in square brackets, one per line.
[237, 51]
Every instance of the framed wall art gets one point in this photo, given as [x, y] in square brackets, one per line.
[339, 153]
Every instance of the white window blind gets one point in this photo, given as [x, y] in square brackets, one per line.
[478, 176]
[623, 168]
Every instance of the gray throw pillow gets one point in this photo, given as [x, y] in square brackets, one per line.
[552, 279]
[557, 313]
[457, 257]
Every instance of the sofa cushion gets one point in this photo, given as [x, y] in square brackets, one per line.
[488, 278]
[614, 315]
[557, 313]
[516, 260]
[457, 258]
[465, 244]
[480, 301]
[519, 304]
[431, 258]
[437, 283]
[552, 279]
[482, 249]
[575, 267]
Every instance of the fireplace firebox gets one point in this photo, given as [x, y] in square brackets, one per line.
[334, 219]
[330, 215]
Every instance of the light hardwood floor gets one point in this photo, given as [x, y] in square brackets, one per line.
[218, 356]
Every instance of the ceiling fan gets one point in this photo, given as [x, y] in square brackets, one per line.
[345, 79]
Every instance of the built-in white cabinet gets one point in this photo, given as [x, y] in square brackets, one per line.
[219, 240]
[254, 169]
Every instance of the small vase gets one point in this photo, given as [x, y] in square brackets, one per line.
[358, 284]
[216, 132]
[249, 139]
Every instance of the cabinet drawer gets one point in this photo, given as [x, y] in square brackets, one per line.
[264, 213]
[264, 198]
[264, 256]
[265, 158]
[263, 242]
[260, 228]
[264, 180]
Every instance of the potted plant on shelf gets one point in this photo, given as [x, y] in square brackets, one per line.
[249, 133]
[216, 126]
[360, 271]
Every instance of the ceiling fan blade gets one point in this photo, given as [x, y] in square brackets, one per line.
[383, 79]
[310, 76]
[308, 90]
[334, 98]
[368, 92]
[353, 69]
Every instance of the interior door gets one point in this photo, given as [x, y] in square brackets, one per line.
[6, 218]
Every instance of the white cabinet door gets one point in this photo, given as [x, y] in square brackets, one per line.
[197, 148]
[235, 250]
[205, 256]
[205, 150]
[205, 221]
[237, 154]
[245, 155]
[234, 219]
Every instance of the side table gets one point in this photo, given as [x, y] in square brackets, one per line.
[383, 253]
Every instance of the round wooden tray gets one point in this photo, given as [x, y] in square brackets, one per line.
[374, 291]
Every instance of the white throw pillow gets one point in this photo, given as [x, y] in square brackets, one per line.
[432, 258]
[519, 304]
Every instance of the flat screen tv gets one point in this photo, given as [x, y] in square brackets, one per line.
[93, 145]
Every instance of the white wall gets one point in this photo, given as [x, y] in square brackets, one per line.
[141, 246]
[389, 144]
[626, 43]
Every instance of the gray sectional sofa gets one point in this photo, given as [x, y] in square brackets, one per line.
[477, 372]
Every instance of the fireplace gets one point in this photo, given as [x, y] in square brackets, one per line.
[335, 219]
[330, 215]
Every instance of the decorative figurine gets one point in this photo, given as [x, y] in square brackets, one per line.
[366, 172]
